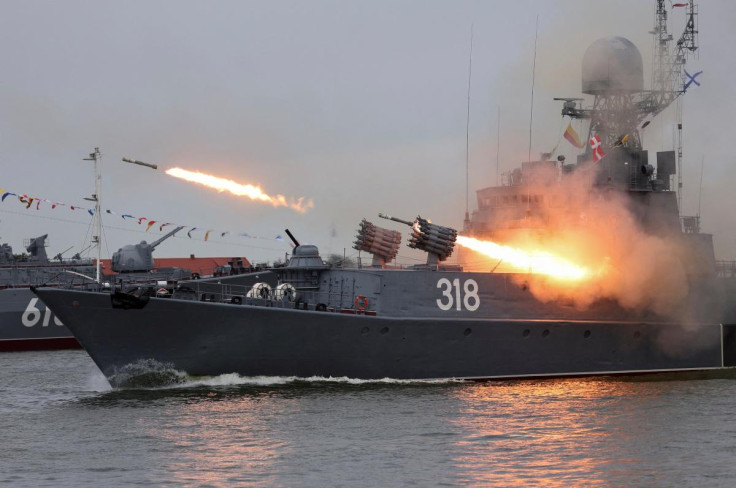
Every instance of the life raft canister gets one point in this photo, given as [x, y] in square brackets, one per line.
[361, 303]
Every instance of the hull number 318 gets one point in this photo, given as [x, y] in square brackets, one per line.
[453, 295]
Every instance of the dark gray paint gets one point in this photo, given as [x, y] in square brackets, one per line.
[402, 341]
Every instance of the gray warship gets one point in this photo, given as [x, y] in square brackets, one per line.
[27, 323]
[444, 320]
[428, 322]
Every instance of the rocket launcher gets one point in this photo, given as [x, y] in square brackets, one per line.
[431, 238]
[382, 243]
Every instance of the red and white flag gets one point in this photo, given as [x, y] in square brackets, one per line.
[595, 145]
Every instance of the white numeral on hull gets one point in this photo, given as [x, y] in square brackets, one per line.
[32, 315]
[468, 298]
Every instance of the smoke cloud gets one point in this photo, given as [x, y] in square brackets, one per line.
[600, 231]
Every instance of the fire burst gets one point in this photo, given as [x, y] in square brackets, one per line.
[253, 192]
[539, 262]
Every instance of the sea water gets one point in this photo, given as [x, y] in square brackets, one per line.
[62, 425]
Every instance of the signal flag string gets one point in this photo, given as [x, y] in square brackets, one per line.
[28, 202]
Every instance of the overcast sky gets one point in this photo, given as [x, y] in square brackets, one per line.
[360, 106]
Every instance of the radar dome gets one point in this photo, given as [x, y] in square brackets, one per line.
[612, 65]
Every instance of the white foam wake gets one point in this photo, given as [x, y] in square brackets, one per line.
[151, 374]
[234, 379]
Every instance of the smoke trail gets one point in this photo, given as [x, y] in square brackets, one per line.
[253, 192]
[537, 261]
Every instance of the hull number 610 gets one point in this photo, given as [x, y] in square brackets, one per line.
[32, 315]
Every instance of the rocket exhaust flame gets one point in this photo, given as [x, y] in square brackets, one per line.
[536, 262]
[255, 193]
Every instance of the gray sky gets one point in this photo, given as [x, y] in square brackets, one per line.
[360, 106]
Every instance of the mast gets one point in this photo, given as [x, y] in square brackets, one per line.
[668, 75]
[96, 157]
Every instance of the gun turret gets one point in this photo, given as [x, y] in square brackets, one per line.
[137, 258]
[59, 256]
[37, 248]
[293, 239]
[6, 254]
[155, 243]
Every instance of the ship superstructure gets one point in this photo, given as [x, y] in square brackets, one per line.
[540, 196]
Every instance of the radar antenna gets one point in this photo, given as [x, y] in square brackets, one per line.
[624, 110]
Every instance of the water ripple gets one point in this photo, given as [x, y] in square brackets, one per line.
[64, 425]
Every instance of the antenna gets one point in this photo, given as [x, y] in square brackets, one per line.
[678, 114]
[531, 113]
[531, 107]
[467, 134]
[498, 141]
[700, 190]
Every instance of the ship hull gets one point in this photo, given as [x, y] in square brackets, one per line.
[26, 324]
[215, 338]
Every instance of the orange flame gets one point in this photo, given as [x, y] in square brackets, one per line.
[253, 192]
[538, 262]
